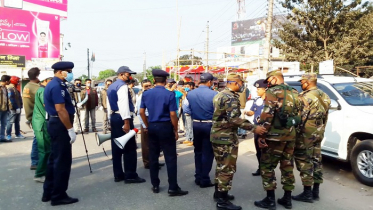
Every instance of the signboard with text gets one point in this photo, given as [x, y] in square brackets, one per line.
[33, 35]
[55, 7]
[12, 60]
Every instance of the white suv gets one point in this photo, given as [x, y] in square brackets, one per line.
[349, 130]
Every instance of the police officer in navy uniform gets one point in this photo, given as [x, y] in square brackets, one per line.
[60, 115]
[121, 120]
[162, 127]
[202, 108]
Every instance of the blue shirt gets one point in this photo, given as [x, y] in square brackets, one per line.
[257, 108]
[56, 93]
[178, 96]
[201, 103]
[160, 102]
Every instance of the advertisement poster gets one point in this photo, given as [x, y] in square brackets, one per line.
[29, 34]
[56, 7]
[12, 60]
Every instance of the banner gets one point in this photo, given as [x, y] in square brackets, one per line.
[55, 7]
[33, 35]
[12, 60]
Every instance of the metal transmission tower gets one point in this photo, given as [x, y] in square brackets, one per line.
[241, 12]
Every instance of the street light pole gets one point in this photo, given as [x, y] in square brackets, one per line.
[267, 44]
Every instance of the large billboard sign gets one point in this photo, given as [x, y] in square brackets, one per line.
[56, 7]
[31, 34]
[253, 30]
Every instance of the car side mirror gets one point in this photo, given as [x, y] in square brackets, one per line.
[334, 105]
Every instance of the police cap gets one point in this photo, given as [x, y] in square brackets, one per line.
[205, 77]
[309, 77]
[260, 84]
[170, 81]
[63, 65]
[277, 72]
[159, 73]
[125, 69]
[234, 77]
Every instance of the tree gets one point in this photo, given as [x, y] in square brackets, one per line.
[83, 78]
[106, 73]
[149, 75]
[187, 60]
[326, 29]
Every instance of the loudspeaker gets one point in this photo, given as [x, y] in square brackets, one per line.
[122, 141]
[101, 138]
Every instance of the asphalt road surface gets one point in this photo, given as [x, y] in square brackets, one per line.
[97, 190]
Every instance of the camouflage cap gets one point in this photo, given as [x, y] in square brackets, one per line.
[234, 77]
[277, 72]
[309, 77]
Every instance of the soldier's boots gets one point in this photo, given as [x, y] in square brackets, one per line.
[315, 191]
[268, 202]
[286, 200]
[224, 204]
[216, 197]
[305, 196]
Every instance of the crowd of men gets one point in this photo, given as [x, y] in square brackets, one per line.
[288, 127]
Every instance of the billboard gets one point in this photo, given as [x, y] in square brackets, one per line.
[253, 30]
[29, 34]
[56, 7]
[12, 60]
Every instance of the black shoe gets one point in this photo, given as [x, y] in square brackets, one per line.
[256, 173]
[118, 179]
[266, 203]
[305, 196]
[206, 185]
[177, 192]
[135, 180]
[315, 192]
[229, 197]
[64, 201]
[155, 189]
[5, 141]
[148, 167]
[286, 200]
[224, 204]
[243, 137]
[161, 164]
[33, 167]
[46, 198]
[197, 182]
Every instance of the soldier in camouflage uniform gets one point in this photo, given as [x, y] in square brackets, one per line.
[225, 123]
[307, 153]
[281, 117]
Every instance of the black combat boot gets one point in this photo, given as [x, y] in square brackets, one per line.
[315, 191]
[224, 204]
[305, 196]
[229, 196]
[268, 202]
[286, 200]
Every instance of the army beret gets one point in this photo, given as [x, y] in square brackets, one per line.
[277, 72]
[260, 84]
[233, 77]
[125, 69]
[160, 73]
[309, 77]
[205, 77]
[63, 65]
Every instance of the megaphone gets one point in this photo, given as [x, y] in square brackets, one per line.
[122, 141]
[101, 138]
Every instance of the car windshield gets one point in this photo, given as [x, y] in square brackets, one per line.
[356, 94]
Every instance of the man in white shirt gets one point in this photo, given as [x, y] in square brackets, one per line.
[121, 120]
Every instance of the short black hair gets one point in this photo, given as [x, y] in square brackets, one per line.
[131, 82]
[109, 80]
[181, 82]
[160, 79]
[191, 84]
[33, 73]
[78, 80]
[88, 80]
[43, 33]
[5, 78]
[145, 81]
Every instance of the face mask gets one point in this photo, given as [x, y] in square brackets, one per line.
[78, 85]
[88, 84]
[270, 82]
[304, 87]
[242, 88]
[187, 89]
[69, 76]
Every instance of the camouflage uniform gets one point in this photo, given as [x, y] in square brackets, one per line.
[281, 121]
[226, 121]
[307, 152]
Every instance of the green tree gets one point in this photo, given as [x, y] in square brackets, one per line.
[326, 29]
[187, 60]
[83, 78]
[140, 76]
[106, 73]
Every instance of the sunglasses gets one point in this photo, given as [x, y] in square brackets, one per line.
[146, 86]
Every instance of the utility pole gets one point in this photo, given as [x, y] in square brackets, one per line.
[267, 44]
[178, 51]
[144, 66]
[207, 46]
[88, 63]
[192, 54]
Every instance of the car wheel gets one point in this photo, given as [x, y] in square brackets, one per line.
[362, 162]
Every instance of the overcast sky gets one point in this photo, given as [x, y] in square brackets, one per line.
[120, 31]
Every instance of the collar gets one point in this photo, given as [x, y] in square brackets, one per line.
[160, 87]
[203, 86]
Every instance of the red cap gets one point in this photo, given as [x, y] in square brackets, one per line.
[136, 130]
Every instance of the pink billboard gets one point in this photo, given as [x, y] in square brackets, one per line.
[56, 7]
[31, 34]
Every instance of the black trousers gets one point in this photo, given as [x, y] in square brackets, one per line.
[127, 154]
[203, 153]
[161, 136]
[60, 159]
[258, 150]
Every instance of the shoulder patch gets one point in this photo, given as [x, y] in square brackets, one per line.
[63, 93]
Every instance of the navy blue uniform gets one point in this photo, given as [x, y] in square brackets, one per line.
[160, 102]
[128, 153]
[59, 163]
[202, 109]
[257, 109]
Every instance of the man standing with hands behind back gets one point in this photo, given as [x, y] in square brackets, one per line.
[90, 106]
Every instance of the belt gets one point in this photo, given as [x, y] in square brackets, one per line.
[203, 121]
[117, 112]
[53, 115]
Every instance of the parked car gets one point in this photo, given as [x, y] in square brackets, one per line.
[349, 130]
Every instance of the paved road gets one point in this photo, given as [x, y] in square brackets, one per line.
[97, 190]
